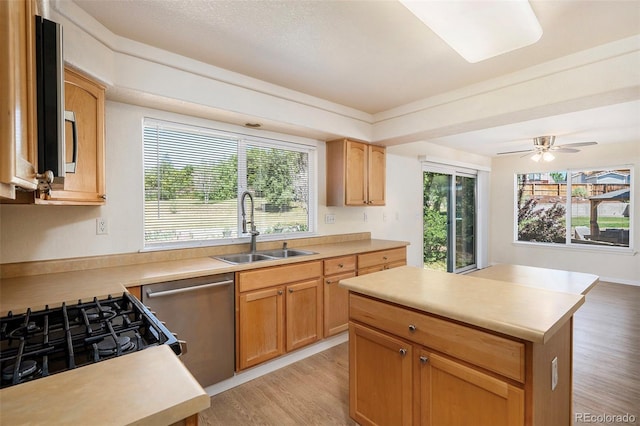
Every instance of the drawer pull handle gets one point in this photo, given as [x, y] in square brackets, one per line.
[412, 328]
[340, 265]
[424, 359]
[403, 351]
[384, 257]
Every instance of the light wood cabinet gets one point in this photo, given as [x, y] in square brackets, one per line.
[460, 374]
[356, 173]
[279, 309]
[261, 326]
[380, 260]
[445, 384]
[18, 101]
[336, 298]
[84, 97]
[304, 313]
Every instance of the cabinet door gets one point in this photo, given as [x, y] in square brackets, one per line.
[85, 98]
[304, 314]
[336, 304]
[380, 378]
[18, 126]
[487, 401]
[376, 175]
[261, 326]
[356, 173]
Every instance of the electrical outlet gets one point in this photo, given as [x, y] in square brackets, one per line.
[365, 217]
[101, 226]
[329, 218]
[554, 373]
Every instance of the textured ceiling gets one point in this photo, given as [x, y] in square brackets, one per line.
[369, 55]
[375, 55]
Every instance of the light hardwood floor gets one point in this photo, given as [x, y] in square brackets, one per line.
[314, 391]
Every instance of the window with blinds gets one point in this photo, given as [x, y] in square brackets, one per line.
[193, 179]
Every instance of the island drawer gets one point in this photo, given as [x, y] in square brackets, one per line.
[486, 350]
[277, 275]
[339, 265]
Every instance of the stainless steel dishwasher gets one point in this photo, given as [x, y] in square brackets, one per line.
[201, 312]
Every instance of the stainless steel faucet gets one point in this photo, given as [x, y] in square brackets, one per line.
[254, 231]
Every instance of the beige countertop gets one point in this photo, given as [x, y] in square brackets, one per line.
[549, 279]
[521, 311]
[35, 291]
[147, 387]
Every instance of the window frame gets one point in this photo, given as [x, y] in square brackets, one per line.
[275, 140]
[568, 245]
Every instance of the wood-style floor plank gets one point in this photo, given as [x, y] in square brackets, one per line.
[315, 391]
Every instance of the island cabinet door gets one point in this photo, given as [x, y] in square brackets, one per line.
[261, 326]
[452, 394]
[380, 378]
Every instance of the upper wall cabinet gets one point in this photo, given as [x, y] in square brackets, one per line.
[356, 173]
[84, 148]
[18, 126]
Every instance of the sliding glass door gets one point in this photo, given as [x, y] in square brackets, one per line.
[449, 213]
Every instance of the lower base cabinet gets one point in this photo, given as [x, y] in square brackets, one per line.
[394, 382]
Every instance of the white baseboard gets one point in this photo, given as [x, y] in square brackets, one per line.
[268, 367]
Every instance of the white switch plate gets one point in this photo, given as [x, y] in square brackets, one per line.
[330, 218]
[554, 373]
[365, 217]
[101, 226]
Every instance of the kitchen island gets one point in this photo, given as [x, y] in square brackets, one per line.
[433, 348]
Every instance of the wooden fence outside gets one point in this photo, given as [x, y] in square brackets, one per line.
[585, 190]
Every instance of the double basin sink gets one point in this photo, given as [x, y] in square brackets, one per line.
[262, 255]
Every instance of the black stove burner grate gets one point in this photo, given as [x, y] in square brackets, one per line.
[50, 341]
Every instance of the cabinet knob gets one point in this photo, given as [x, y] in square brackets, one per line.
[423, 359]
[340, 265]
[384, 257]
[103, 196]
[279, 292]
[412, 328]
[328, 281]
[290, 290]
[403, 351]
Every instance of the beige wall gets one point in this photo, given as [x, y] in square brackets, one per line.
[621, 267]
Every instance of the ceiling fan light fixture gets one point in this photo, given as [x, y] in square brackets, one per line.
[547, 156]
[536, 157]
[479, 30]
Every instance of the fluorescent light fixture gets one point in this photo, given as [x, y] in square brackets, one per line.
[479, 29]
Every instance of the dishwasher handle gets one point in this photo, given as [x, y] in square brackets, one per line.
[151, 295]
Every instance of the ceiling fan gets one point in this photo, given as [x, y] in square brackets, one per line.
[543, 148]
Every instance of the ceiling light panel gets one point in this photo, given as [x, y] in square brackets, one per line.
[479, 29]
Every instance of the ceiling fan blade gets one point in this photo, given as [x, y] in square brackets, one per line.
[516, 152]
[576, 144]
[563, 149]
[528, 154]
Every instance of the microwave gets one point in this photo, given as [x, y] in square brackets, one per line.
[50, 101]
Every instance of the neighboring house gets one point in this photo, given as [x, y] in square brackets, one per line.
[608, 177]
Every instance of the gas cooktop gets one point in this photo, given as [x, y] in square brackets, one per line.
[49, 341]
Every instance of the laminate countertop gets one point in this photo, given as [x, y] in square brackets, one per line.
[147, 387]
[522, 311]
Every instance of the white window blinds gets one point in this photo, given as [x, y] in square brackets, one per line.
[193, 177]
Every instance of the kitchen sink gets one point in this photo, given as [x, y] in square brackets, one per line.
[262, 255]
[283, 253]
[243, 258]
